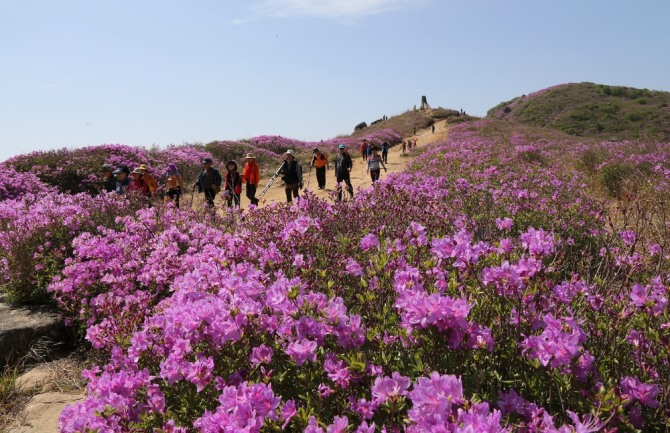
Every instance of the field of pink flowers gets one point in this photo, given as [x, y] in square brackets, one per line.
[497, 285]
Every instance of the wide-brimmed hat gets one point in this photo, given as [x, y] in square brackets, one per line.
[143, 167]
[137, 171]
[289, 152]
[341, 146]
[107, 167]
[249, 156]
[206, 161]
[232, 162]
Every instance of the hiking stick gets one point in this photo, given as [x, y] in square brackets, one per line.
[272, 180]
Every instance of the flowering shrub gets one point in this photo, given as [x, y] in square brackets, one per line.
[485, 289]
[37, 233]
[79, 170]
[14, 185]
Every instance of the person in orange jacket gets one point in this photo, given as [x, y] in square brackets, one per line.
[251, 175]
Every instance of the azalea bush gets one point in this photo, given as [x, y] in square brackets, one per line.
[15, 184]
[487, 288]
[479, 291]
[37, 234]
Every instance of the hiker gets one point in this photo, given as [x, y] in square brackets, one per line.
[122, 180]
[108, 183]
[174, 184]
[404, 147]
[320, 161]
[364, 149]
[343, 171]
[414, 129]
[415, 140]
[292, 176]
[150, 180]
[232, 184]
[432, 128]
[251, 175]
[209, 181]
[373, 164]
[385, 151]
[139, 185]
[409, 144]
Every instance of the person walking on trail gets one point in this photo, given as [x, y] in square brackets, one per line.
[320, 162]
[122, 179]
[385, 151]
[232, 185]
[209, 181]
[292, 175]
[251, 175]
[139, 186]
[432, 128]
[108, 183]
[174, 185]
[150, 180]
[404, 147]
[374, 164]
[343, 171]
[364, 149]
[414, 131]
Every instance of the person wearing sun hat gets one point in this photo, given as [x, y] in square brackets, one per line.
[292, 172]
[251, 175]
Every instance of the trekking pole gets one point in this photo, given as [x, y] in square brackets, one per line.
[271, 180]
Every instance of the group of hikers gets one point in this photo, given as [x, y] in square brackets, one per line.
[211, 182]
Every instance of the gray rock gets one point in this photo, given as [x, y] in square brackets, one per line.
[22, 328]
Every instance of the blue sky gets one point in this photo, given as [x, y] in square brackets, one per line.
[145, 72]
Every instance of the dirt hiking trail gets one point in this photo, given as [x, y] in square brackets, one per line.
[359, 178]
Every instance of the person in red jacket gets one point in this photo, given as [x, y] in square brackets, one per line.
[251, 175]
[232, 185]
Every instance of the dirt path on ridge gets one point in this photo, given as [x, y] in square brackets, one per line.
[359, 178]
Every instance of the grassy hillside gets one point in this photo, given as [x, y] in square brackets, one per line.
[593, 110]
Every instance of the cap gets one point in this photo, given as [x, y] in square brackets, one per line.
[341, 146]
[316, 149]
[143, 167]
[107, 167]
[206, 161]
[290, 152]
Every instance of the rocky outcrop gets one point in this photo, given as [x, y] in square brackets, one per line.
[42, 412]
[22, 328]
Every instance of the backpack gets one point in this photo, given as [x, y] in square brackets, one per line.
[151, 182]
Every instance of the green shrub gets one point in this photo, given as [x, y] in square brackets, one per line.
[614, 177]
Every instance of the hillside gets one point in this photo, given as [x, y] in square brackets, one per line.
[593, 110]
